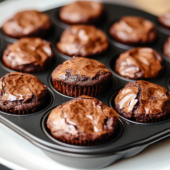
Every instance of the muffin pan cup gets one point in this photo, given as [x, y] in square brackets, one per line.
[131, 138]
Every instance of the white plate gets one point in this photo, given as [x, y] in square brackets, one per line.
[19, 154]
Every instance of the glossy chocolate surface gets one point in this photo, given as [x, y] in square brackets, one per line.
[80, 12]
[126, 99]
[133, 30]
[79, 66]
[25, 23]
[21, 86]
[82, 40]
[83, 114]
[27, 51]
[139, 63]
[143, 98]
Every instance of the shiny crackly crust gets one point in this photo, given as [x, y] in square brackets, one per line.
[96, 42]
[39, 31]
[142, 117]
[84, 138]
[20, 106]
[141, 73]
[84, 20]
[100, 78]
[27, 68]
[150, 36]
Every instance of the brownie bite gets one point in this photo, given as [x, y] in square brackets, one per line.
[166, 47]
[82, 12]
[28, 55]
[143, 101]
[21, 93]
[83, 41]
[164, 19]
[26, 24]
[83, 121]
[81, 76]
[139, 63]
[132, 30]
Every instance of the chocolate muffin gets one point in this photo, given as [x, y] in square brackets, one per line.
[164, 19]
[166, 47]
[133, 30]
[82, 12]
[83, 41]
[81, 76]
[83, 121]
[143, 101]
[21, 93]
[139, 63]
[26, 24]
[28, 55]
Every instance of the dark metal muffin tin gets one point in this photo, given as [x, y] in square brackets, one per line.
[132, 137]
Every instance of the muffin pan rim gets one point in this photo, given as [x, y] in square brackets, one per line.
[162, 29]
[35, 140]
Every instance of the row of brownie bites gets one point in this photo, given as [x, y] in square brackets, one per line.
[35, 55]
[83, 120]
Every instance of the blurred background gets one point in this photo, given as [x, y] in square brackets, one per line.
[155, 7]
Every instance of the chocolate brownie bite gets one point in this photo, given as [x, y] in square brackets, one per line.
[139, 63]
[143, 101]
[83, 121]
[83, 41]
[82, 12]
[132, 30]
[21, 93]
[166, 47]
[81, 76]
[27, 23]
[28, 55]
[164, 19]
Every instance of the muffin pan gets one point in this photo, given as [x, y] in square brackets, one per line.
[132, 137]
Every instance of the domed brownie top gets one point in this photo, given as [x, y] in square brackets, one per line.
[81, 12]
[139, 63]
[27, 51]
[83, 41]
[21, 86]
[80, 70]
[133, 30]
[24, 23]
[142, 97]
[83, 114]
